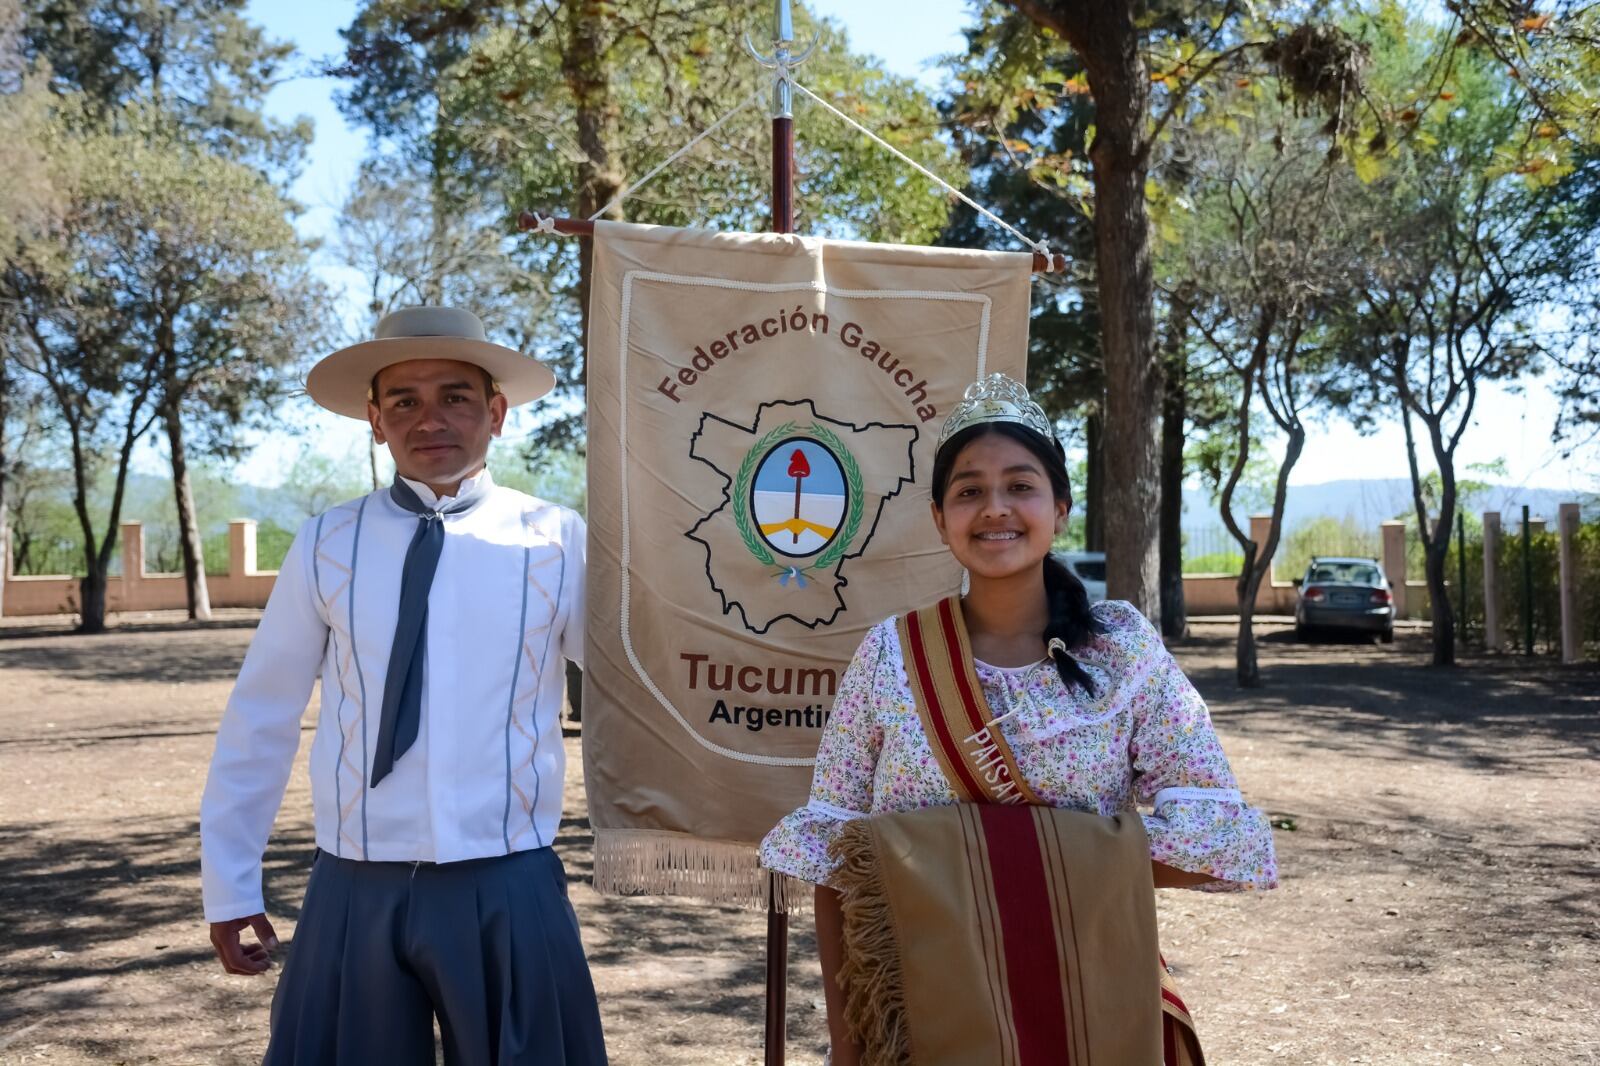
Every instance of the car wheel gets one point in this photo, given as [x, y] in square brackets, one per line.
[1301, 633]
[1387, 636]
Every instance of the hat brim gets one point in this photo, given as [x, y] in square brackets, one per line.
[340, 381]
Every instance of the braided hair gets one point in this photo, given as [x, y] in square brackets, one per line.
[1071, 623]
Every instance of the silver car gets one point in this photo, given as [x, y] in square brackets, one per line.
[1344, 593]
[1089, 568]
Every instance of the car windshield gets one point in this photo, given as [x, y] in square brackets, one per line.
[1090, 569]
[1344, 574]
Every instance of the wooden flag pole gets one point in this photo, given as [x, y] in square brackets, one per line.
[777, 1006]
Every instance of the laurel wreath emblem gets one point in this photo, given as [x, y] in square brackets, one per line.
[853, 483]
[742, 512]
[741, 494]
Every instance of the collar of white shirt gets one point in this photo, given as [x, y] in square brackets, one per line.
[426, 495]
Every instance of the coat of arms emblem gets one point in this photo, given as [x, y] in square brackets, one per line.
[803, 495]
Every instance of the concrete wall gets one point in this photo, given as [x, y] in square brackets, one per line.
[245, 586]
[1218, 594]
[135, 590]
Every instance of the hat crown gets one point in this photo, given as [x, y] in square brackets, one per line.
[430, 322]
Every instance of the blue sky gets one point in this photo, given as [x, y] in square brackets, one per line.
[907, 35]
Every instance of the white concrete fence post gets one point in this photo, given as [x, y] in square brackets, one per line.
[1394, 564]
[1260, 529]
[1492, 639]
[241, 547]
[1571, 628]
[132, 534]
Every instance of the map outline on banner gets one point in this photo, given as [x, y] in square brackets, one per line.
[624, 342]
[837, 551]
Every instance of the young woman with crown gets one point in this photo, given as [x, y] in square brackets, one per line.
[1005, 777]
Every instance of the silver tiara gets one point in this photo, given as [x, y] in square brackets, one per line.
[996, 398]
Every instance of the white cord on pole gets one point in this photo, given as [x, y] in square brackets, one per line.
[784, 74]
[1038, 246]
[629, 190]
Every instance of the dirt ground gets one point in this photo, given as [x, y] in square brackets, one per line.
[1439, 836]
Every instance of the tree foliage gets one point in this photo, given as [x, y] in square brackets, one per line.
[1481, 247]
[201, 64]
[1269, 258]
[170, 285]
[1006, 151]
[1143, 65]
[556, 107]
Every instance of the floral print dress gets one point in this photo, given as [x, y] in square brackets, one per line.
[1144, 739]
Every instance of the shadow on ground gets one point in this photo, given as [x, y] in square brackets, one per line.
[149, 654]
[1388, 702]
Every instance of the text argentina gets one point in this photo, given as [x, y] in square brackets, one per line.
[755, 719]
[851, 335]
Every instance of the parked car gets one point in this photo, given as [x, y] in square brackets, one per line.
[1344, 593]
[1090, 568]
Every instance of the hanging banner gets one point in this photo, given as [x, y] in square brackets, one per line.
[762, 418]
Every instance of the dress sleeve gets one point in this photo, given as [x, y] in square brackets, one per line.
[841, 784]
[1200, 822]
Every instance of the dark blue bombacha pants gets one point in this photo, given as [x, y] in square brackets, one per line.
[489, 946]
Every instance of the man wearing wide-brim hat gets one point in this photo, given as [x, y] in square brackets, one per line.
[436, 613]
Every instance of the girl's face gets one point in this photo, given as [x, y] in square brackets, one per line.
[999, 514]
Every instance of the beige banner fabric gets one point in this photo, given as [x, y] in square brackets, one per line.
[762, 417]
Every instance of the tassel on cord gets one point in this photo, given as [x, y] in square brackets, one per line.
[871, 974]
[644, 862]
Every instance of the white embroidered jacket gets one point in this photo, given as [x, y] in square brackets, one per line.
[484, 776]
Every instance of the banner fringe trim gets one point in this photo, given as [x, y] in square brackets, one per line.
[647, 862]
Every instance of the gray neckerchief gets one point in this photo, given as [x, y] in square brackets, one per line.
[402, 687]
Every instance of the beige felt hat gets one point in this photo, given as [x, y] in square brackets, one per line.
[340, 382]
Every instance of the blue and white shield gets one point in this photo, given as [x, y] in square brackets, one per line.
[798, 497]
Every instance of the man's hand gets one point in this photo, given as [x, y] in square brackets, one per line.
[241, 958]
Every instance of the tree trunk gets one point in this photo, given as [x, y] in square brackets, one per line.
[583, 65]
[1435, 565]
[1435, 541]
[1247, 673]
[574, 691]
[1106, 38]
[92, 608]
[1094, 489]
[96, 559]
[194, 569]
[1437, 556]
[5, 470]
[1246, 666]
[1105, 35]
[1258, 565]
[5, 544]
[1174, 615]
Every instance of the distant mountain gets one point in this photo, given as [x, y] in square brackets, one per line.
[1366, 502]
[1371, 502]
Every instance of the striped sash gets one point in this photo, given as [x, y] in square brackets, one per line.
[1025, 915]
[976, 759]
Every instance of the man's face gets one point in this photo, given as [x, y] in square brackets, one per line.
[437, 418]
